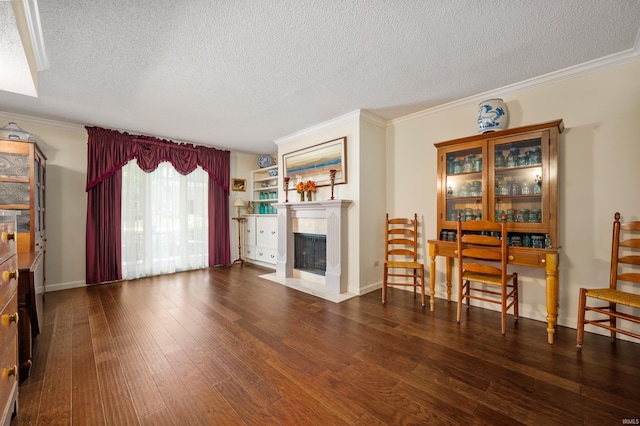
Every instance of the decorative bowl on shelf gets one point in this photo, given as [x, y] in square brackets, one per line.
[265, 161]
[273, 173]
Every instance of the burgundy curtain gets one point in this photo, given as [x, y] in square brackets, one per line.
[108, 152]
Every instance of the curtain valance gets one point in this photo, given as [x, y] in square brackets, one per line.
[110, 150]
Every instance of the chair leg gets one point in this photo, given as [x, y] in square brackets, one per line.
[515, 297]
[503, 311]
[467, 292]
[384, 284]
[459, 312]
[422, 286]
[581, 312]
[612, 321]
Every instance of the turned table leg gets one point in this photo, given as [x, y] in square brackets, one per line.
[551, 268]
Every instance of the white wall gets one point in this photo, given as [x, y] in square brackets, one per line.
[373, 202]
[598, 173]
[65, 146]
[365, 187]
[343, 127]
[241, 165]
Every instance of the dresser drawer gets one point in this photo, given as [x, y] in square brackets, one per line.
[250, 252]
[8, 279]
[266, 255]
[8, 377]
[9, 329]
[8, 238]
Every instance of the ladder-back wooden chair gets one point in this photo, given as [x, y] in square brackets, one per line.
[401, 266]
[481, 243]
[625, 257]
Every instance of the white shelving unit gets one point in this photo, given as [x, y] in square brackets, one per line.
[264, 189]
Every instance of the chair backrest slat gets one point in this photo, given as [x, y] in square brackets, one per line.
[482, 268]
[481, 240]
[630, 277]
[632, 260]
[631, 226]
[401, 241]
[632, 243]
[401, 221]
[400, 252]
[482, 254]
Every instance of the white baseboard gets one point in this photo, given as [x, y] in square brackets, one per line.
[64, 286]
[369, 288]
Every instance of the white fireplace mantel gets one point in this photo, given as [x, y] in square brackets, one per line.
[335, 214]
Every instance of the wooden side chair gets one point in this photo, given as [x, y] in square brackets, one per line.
[481, 243]
[623, 252]
[401, 256]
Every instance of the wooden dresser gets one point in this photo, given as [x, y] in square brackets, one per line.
[8, 317]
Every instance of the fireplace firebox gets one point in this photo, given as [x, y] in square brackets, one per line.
[310, 253]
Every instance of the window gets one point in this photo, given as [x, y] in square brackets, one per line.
[164, 221]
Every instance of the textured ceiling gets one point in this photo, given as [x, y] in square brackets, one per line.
[240, 74]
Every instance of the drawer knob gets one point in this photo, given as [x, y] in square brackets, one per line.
[7, 275]
[543, 260]
[511, 258]
[6, 236]
[8, 319]
[8, 372]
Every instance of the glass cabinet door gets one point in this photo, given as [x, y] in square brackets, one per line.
[465, 185]
[519, 181]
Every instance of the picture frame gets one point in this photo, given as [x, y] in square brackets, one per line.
[313, 163]
[238, 184]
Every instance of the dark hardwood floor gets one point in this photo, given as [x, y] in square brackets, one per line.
[225, 347]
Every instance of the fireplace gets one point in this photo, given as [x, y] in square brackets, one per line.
[326, 223]
[310, 253]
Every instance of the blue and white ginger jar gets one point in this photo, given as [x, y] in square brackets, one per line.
[492, 116]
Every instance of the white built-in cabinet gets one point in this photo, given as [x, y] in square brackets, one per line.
[261, 239]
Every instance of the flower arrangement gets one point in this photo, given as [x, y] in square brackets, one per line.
[307, 186]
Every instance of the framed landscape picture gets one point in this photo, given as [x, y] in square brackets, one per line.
[315, 162]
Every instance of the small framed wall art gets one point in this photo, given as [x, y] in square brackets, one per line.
[238, 184]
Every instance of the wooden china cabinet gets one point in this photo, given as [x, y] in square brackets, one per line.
[512, 172]
[22, 189]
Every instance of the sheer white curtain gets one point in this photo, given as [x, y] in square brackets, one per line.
[164, 221]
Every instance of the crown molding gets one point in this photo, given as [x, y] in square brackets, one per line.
[41, 121]
[374, 119]
[346, 118]
[610, 61]
[359, 114]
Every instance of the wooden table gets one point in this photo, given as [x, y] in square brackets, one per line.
[522, 256]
